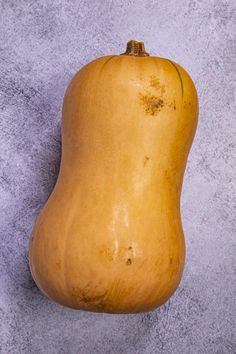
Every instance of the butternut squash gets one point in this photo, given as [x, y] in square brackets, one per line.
[109, 238]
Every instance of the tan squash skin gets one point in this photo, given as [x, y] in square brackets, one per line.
[109, 238]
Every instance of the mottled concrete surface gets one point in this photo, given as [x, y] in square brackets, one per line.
[42, 44]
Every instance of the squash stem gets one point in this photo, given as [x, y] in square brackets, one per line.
[136, 49]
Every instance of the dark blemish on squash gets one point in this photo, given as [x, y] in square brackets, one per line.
[152, 104]
[152, 99]
[130, 248]
[155, 83]
[129, 261]
[187, 103]
[85, 297]
[171, 260]
[145, 161]
[172, 105]
[89, 299]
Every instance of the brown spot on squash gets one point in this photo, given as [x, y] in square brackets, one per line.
[171, 260]
[92, 299]
[187, 104]
[130, 248]
[151, 103]
[152, 100]
[129, 261]
[155, 83]
[145, 161]
[172, 105]
[86, 296]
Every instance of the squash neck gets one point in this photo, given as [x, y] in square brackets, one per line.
[136, 49]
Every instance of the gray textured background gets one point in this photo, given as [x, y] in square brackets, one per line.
[42, 44]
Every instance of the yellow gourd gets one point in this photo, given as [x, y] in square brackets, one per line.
[109, 238]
